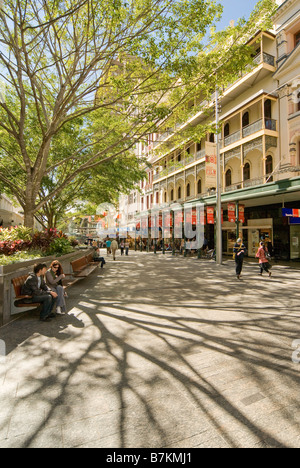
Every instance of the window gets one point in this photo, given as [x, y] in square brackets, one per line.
[179, 157]
[298, 105]
[226, 130]
[188, 190]
[172, 195]
[228, 178]
[199, 146]
[165, 197]
[179, 193]
[269, 168]
[297, 38]
[245, 120]
[268, 109]
[199, 186]
[247, 171]
[212, 137]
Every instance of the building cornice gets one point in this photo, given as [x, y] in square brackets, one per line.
[282, 8]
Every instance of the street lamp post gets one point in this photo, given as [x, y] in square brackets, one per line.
[219, 201]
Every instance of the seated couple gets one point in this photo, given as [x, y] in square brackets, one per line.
[49, 292]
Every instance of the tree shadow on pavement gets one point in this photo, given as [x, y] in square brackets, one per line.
[142, 368]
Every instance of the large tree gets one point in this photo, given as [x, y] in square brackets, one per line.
[113, 65]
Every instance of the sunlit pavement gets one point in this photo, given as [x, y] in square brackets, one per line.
[158, 352]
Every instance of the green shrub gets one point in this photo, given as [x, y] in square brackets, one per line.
[59, 246]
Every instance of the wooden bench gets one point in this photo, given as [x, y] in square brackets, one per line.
[21, 300]
[84, 266]
[17, 284]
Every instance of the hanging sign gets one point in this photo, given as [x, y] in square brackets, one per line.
[242, 213]
[210, 165]
[210, 215]
[231, 212]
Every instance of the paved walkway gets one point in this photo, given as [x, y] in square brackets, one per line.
[158, 352]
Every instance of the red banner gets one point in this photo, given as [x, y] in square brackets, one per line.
[210, 215]
[178, 218]
[191, 216]
[231, 212]
[167, 220]
[242, 213]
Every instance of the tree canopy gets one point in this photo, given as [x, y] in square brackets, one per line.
[85, 80]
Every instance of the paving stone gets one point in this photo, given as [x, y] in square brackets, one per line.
[157, 352]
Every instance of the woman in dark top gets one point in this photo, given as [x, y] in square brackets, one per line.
[239, 251]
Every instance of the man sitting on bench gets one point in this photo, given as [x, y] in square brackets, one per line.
[97, 257]
[36, 287]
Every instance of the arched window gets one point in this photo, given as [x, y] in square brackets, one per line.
[179, 157]
[188, 190]
[226, 130]
[199, 186]
[268, 109]
[269, 168]
[247, 171]
[228, 178]
[212, 137]
[172, 195]
[165, 197]
[245, 120]
[179, 193]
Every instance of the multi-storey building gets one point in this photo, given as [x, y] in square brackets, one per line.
[9, 214]
[259, 148]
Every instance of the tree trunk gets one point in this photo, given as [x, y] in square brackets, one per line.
[29, 218]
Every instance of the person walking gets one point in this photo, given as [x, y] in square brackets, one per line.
[114, 248]
[122, 247]
[108, 246]
[36, 287]
[127, 245]
[54, 277]
[263, 260]
[239, 251]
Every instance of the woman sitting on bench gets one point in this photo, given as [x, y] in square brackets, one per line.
[54, 277]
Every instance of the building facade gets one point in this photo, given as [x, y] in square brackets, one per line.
[259, 149]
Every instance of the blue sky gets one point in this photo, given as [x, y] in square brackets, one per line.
[235, 9]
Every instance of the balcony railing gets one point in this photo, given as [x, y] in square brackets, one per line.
[264, 58]
[268, 124]
[180, 165]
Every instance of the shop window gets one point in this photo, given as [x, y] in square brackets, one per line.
[247, 171]
[269, 168]
[188, 190]
[199, 186]
[226, 130]
[228, 178]
[245, 119]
